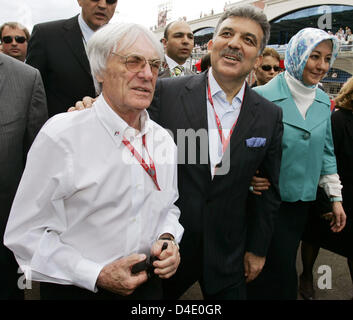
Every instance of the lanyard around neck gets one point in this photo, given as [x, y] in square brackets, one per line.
[224, 141]
[150, 169]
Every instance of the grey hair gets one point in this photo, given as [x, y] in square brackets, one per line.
[116, 38]
[252, 13]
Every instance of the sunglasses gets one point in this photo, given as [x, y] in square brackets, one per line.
[9, 39]
[136, 63]
[107, 1]
[267, 67]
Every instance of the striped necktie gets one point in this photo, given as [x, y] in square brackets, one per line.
[177, 71]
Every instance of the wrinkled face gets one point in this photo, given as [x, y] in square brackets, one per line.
[14, 48]
[127, 91]
[97, 13]
[180, 42]
[235, 49]
[264, 76]
[318, 63]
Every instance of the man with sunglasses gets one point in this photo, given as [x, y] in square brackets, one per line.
[269, 68]
[14, 37]
[58, 50]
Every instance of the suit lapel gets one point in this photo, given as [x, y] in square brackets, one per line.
[194, 103]
[73, 37]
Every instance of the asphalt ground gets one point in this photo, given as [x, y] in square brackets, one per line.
[341, 287]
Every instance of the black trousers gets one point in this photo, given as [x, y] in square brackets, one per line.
[190, 271]
[150, 290]
[278, 279]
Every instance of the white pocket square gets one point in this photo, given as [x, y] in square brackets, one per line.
[255, 142]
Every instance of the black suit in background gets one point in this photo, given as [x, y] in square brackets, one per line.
[218, 230]
[56, 49]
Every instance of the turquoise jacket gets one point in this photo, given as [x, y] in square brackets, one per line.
[307, 144]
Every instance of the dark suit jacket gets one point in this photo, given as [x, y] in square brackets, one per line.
[213, 212]
[56, 49]
[23, 111]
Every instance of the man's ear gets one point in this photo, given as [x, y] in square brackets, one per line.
[164, 42]
[210, 45]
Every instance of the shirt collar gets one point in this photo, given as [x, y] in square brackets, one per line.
[116, 126]
[217, 90]
[172, 64]
[87, 32]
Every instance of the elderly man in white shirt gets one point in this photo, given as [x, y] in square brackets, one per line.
[98, 191]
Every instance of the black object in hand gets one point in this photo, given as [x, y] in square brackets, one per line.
[147, 265]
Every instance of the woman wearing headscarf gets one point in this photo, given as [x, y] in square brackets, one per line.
[308, 158]
[317, 233]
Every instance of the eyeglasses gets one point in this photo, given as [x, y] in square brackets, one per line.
[267, 67]
[136, 63]
[9, 39]
[107, 1]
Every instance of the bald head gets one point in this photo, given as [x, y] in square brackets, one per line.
[178, 41]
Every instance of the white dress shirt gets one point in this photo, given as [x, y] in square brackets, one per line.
[87, 32]
[85, 201]
[227, 114]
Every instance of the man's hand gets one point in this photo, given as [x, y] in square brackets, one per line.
[117, 276]
[338, 220]
[169, 259]
[253, 265]
[84, 104]
[259, 184]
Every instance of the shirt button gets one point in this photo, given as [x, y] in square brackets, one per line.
[306, 136]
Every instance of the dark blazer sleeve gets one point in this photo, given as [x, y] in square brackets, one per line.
[262, 210]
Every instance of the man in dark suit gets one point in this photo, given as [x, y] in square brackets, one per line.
[178, 42]
[57, 50]
[23, 111]
[227, 229]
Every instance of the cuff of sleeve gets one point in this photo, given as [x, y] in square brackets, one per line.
[177, 232]
[87, 273]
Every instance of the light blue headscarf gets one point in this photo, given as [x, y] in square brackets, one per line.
[300, 47]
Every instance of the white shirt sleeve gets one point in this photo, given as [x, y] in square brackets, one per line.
[38, 219]
[331, 184]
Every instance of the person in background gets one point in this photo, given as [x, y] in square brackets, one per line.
[205, 62]
[269, 68]
[318, 233]
[14, 39]
[23, 111]
[178, 42]
[98, 191]
[58, 50]
[308, 158]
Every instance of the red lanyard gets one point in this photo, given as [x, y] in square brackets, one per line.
[150, 169]
[224, 141]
